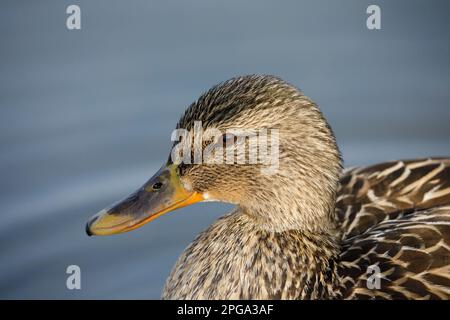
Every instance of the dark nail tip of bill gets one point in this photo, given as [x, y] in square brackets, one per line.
[88, 230]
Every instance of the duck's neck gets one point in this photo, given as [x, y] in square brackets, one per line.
[298, 226]
[235, 259]
[294, 201]
[309, 258]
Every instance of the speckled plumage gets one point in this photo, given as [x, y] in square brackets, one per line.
[396, 215]
[310, 231]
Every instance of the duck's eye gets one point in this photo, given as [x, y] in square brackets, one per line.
[157, 186]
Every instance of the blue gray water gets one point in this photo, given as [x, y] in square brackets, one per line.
[86, 116]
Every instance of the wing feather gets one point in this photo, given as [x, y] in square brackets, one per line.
[396, 216]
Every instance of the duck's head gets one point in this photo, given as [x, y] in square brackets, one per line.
[254, 141]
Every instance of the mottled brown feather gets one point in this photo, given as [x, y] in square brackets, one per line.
[301, 234]
[396, 215]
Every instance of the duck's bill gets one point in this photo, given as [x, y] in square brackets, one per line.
[161, 194]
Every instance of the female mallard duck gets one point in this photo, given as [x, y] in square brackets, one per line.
[306, 231]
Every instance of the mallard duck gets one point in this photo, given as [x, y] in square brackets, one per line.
[308, 230]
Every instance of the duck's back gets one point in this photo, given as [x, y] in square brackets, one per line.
[395, 224]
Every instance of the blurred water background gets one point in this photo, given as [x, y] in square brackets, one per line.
[86, 116]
